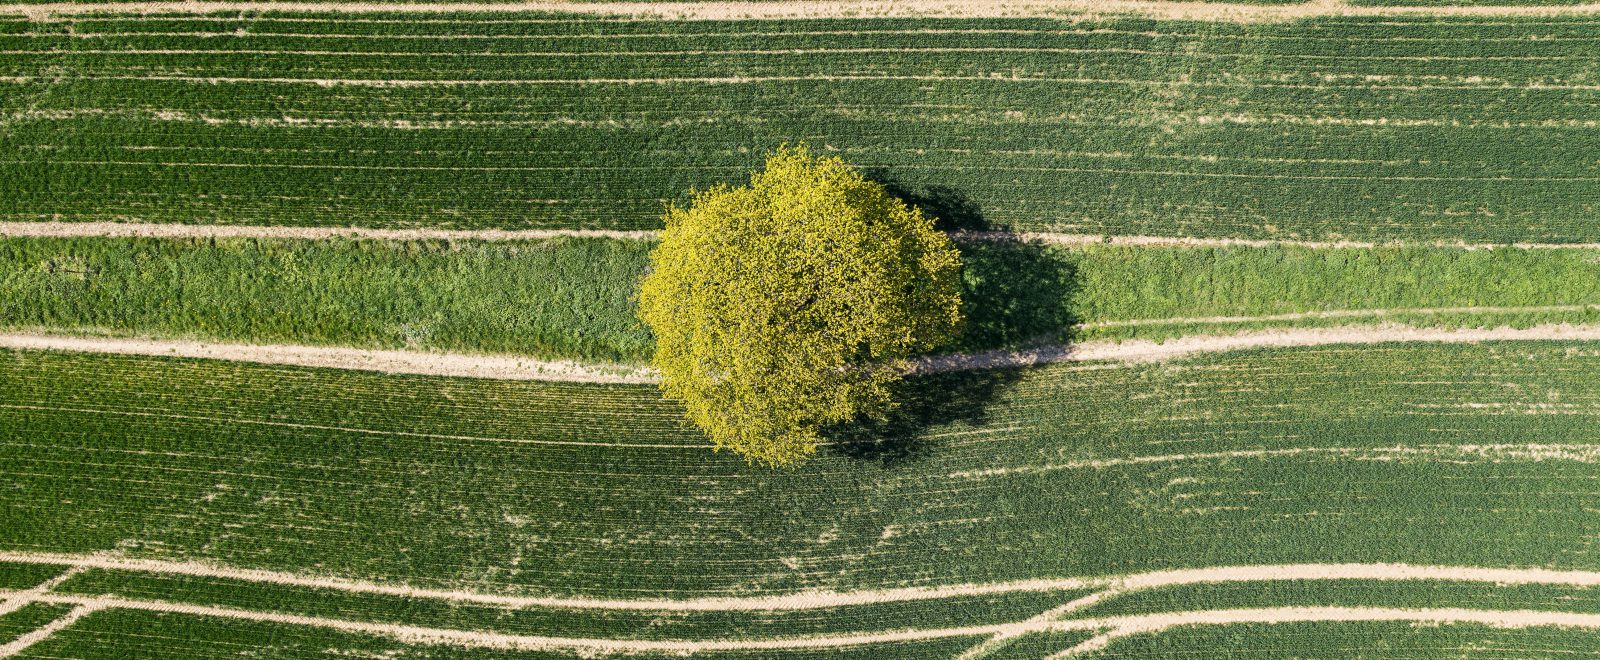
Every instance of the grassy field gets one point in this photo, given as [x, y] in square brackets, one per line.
[1441, 129]
[1363, 455]
[572, 298]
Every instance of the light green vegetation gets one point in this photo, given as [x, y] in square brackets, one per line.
[273, 468]
[560, 298]
[765, 299]
[1354, 640]
[1420, 127]
[572, 298]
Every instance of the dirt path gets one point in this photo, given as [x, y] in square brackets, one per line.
[498, 367]
[1142, 350]
[177, 230]
[1491, 452]
[1341, 314]
[828, 599]
[165, 230]
[829, 9]
[505, 367]
[1119, 626]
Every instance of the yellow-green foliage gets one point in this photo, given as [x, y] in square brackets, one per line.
[790, 303]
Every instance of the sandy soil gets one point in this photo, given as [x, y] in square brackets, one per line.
[174, 230]
[388, 361]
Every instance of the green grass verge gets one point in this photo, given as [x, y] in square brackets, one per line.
[1422, 127]
[560, 298]
[571, 298]
[1354, 640]
[288, 468]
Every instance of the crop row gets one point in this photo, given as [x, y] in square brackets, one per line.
[1441, 128]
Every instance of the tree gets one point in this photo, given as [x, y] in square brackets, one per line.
[791, 303]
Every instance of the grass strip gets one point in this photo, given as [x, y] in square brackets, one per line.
[572, 298]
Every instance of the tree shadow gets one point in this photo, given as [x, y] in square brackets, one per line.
[1016, 294]
[950, 208]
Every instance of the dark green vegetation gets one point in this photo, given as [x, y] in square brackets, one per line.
[27, 618]
[25, 576]
[1375, 454]
[144, 634]
[118, 452]
[572, 298]
[1352, 593]
[1355, 640]
[1383, 128]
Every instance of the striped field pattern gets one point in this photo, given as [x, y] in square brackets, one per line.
[317, 337]
[1441, 128]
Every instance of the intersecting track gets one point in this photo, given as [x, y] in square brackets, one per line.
[1057, 619]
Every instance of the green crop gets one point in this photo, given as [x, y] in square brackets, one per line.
[1384, 128]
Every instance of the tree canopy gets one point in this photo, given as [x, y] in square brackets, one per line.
[791, 303]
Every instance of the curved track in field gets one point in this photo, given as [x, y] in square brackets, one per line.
[1108, 627]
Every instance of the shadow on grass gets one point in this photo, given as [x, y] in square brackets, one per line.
[1015, 294]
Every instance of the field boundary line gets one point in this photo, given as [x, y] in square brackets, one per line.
[1134, 351]
[1339, 314]
[506, 367]
[68, 229]
[497, 367]
[174, 230]
[691, 11]
[1534, 451]
[407, 83]
[1001, 639]
[1119, 626]
[807, 600]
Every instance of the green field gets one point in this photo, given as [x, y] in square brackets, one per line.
[1465, 129]
[1388, 500]
[1332, 455]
